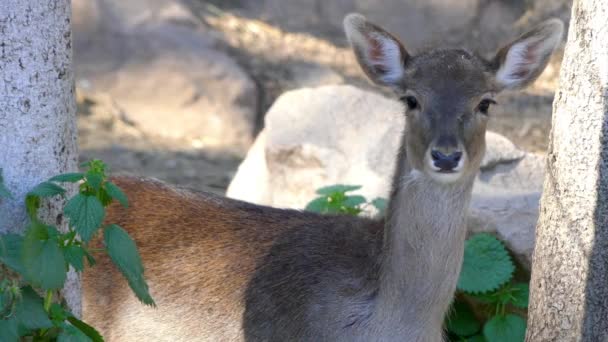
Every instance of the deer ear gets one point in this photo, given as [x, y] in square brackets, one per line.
[379, 53]
[523, 60]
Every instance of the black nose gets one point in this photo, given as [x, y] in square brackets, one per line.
[446, 163]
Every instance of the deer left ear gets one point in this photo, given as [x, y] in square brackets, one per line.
[523, 60]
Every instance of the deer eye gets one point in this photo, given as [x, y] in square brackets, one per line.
[410, 101]
[484, 106]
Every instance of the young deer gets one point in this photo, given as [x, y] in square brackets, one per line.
[225, 270]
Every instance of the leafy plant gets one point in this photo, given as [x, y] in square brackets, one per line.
[35, 265]
[486, 279]
[335, 200]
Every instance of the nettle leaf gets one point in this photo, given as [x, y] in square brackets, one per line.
[68, 177]
[30, 311]
[86, 214]
[507, 328]
[486, 266]
[70, 333]
[117, 194]
[461, 320]
[47, 189]
[32, 203]
[353, 201]
[123, 252]
[8, 329]
[318, 205]
[338, 188]
[42, 258]
[88, 330]
[94, 180]
[380, 204]
[10, 251]
[74, 255]
[520, 295]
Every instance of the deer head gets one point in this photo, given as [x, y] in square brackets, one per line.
[448, 92]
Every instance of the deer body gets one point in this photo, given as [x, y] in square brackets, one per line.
[225, 270]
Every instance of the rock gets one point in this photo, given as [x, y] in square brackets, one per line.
[164, 69]
[341, 134]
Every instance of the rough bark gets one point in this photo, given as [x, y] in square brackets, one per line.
[569, 288]
[37, 108]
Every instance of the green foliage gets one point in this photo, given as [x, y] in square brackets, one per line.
[505, 328]
[461, 320]
[124, 254]
[86, 213]
[38, 261]
[487, 265]
[486, 280]
[335, 200]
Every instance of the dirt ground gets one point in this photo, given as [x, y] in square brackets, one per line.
[268, 54]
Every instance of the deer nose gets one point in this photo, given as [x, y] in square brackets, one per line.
[446, 162]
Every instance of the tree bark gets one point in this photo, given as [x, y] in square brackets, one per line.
[37, 108]
[569, 287]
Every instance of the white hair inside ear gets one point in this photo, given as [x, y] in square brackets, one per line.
[377, 51]
[528, 56]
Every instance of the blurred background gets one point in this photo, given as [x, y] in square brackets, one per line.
[178, 89]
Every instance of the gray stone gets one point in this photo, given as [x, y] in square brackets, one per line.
[163, 68]
[341, 134]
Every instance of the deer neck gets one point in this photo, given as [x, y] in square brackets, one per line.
[422, 251]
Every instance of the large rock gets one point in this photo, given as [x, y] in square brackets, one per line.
[340, 134]
[164, 69]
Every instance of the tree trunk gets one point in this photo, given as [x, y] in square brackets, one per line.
[37, 108]
[569, 288]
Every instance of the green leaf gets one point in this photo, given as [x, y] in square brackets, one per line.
[30, 311]
[47, 189]
[10, 251]
[520, 295]
[94, 180]
[338, 188]
[74, 256]
[353, 201]
[318, 205]
[462, 321]
[117, 194]
[3, 190]
[32, 203]
[8, 330]
[486, 266]
[380, 204]
[507, 328]
[70, 333]
[86, 214]
[123, 252]
[68, 177]
[476, 338]
[88, 330]
[89, 257]
[58, 313]
[42, 258]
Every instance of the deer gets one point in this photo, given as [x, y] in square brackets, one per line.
[226, 270]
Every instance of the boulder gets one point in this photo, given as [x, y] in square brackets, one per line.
[315, 137]
[165, 70]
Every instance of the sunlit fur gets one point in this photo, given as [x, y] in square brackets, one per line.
[225, 270]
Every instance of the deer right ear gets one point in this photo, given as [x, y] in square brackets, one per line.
[379, 53]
